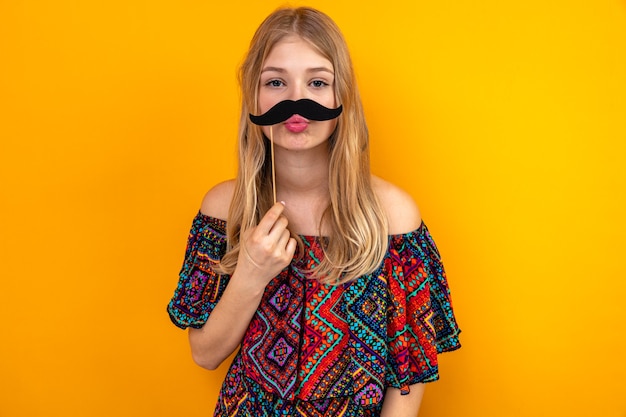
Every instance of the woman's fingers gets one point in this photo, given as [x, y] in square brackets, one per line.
[290, 249]
[287, 245]
[284, 239]
[279, 227]
[267, 222]
[269, 246]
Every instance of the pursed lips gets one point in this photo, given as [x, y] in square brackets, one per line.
[296, 123]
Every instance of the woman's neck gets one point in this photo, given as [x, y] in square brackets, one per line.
[302, 174]
[302, 183]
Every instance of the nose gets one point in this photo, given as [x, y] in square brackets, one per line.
[297, 91]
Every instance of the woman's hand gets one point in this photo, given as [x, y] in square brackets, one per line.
[266, 249]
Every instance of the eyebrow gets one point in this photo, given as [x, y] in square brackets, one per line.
[282, 70]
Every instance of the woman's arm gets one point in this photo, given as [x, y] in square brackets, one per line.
[227, 323]
[265, 251]
[397, 405]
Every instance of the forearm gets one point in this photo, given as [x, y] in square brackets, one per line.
[227, 324]
[398, 405]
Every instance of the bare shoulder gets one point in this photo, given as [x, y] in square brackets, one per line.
[402, 211]
[216, 201]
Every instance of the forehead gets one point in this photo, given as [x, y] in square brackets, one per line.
[293, 53]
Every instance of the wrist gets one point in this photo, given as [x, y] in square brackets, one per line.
[245, 288]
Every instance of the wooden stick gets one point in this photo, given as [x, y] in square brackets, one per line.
[273, 169]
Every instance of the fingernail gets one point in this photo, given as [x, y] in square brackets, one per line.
[282, 202]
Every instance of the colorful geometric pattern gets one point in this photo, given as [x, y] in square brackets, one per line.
[320, 350]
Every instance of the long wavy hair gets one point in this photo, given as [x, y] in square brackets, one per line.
[357, 226]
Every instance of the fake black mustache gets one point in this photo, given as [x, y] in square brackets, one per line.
[304, 107]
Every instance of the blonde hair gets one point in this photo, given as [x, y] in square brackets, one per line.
[357, 239]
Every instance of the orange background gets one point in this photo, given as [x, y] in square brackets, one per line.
[505, 120]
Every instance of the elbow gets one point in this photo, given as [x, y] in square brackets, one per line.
[206, 361]
[204, 351]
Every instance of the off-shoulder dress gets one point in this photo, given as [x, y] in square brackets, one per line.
[314, 349]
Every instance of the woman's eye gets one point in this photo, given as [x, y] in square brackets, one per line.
[318, 83]
[274, 83]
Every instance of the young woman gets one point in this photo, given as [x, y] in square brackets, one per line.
[335, 295]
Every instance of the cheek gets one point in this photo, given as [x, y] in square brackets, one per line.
[266, 102]
[330, 101]
[264, 105]
[326, 97]
[328, 127]
[333, 126]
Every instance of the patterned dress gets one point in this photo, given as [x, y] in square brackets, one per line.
[317, 350]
